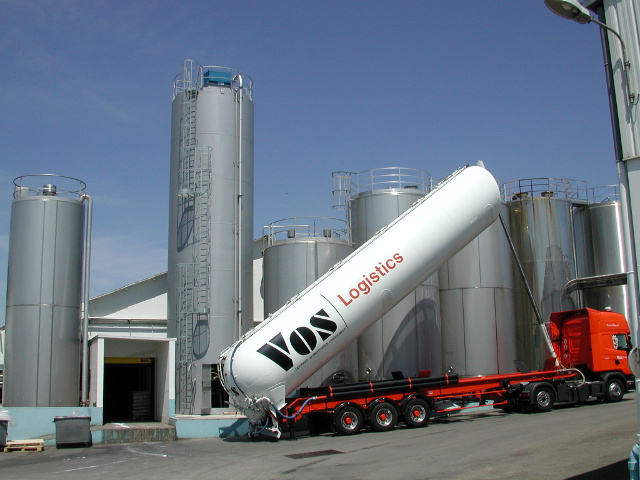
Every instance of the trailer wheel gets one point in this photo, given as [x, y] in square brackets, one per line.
[383, 417]
[348, 420]
[542, 399]
[416, 413]
[613, 390]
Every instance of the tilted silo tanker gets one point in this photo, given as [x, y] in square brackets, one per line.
[268, 363]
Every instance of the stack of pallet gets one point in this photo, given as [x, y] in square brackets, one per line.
[35, 445]
[141, 406]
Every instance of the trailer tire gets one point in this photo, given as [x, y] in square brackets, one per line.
[348, 420]
[383, 417]
[416, 413]
[613, 390]
[542, 399]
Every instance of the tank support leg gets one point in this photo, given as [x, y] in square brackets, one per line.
[291, 424]
[633, 462]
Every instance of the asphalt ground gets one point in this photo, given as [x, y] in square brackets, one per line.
[585, 442]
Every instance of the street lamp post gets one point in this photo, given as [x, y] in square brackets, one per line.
[573, 10]
[623, 101]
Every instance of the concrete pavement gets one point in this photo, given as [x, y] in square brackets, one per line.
[580, 443]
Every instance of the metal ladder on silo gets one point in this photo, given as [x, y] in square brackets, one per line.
[193, 282]
[184, 382]
[342, 192]
[201, 229]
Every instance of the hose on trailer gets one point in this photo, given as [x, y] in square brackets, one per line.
[257, 432]
[582, 379]
[292, 417]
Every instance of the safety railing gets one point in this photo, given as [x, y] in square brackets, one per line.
[48, 184]
[392, 177]
[574, 190]
[195, 76]
[306, 228]
[348, 184]
[604, 193]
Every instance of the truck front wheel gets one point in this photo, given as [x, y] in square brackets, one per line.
[613, 390]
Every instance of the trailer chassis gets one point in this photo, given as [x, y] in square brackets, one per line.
[382, 404]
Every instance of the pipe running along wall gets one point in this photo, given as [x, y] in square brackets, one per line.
[273, 359]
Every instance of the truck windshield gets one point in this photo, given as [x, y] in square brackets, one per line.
[620, 341]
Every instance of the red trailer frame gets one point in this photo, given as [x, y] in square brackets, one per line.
[385, 402]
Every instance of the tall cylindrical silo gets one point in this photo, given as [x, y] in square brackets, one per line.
[477, 306]
[299, 251]
[44, 288]
[407, 339]
[600, 250]
[541, 225]
[583, 243]
[211, 223]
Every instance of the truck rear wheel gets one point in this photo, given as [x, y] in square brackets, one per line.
[542, 399]
[383, 417]
[613, 390]
[416, 413]
[348, 420]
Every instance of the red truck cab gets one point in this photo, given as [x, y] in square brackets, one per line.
[594, 342]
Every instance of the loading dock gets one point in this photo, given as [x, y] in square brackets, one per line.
[132, 378]
[129, 389]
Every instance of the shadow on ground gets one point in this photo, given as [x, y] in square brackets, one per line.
[615, 471]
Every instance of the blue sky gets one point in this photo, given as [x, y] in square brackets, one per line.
[86, 89]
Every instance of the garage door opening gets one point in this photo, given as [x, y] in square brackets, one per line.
[129, 389]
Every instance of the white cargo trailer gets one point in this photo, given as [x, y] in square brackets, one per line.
[272, 360]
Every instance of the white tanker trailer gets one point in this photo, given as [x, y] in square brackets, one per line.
[269, 362]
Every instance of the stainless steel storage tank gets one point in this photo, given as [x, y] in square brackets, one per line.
[541, 225]
[211, 223]
[407, 339]
[44, 287]
[477, 305]
[600, 249]
[299, 251]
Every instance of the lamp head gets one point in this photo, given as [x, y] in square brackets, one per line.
[570, 9]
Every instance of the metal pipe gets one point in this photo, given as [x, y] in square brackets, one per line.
[239, 210]
[545, 333]
[521, 270]
[378, 386]
[128, 321]
[626, 64]
[84, 394]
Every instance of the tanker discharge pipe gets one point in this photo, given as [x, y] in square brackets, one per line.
[269, 362]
